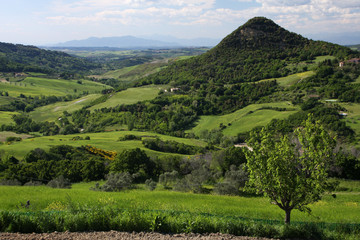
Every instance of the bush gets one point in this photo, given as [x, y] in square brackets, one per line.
[234, 179]
[59, 182]
[13, 139]
[10, 182]
[117, 182]
[150, 184]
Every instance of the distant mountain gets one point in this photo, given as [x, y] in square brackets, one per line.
[195, 42]
[257, 50]
[130, 42]
[345, 38]
[127, 42]
[19, 58]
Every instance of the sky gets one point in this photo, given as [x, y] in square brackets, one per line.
[41, 22]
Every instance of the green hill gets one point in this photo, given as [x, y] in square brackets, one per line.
[22, 58]
[257, 50]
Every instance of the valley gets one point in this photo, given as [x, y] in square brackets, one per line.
[151, 137]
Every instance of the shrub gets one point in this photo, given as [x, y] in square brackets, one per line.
[10, 182]
[13, 139]
[59, 182]
[150, 184]
[117, 182]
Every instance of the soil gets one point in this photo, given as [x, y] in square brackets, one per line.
[120, 235]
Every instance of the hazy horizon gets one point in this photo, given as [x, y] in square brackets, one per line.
[43, 22]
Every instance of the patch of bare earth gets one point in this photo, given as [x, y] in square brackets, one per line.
[120, 235]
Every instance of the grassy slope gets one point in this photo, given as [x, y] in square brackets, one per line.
[242, 120]
[4, 100]
[104, 140]
[4, 135]
[135, 72]
[42, 86]
[291, 79]
[53, 111]
[130, 96]
[353, 118]
[6, 117]
[343, 209]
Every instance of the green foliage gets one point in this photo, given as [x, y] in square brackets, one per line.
[133, 161]
[116, 181]
[171, 146]
[291, 170]
[21, 58]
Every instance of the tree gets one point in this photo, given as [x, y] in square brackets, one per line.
[291, 169]
[133, 161]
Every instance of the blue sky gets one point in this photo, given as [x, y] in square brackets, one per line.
[51, 21]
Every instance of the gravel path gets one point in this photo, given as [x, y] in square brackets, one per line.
[120, 235]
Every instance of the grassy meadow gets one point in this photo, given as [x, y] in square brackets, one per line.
[34, 86]
[131, 96]
[245, 119]
[345, 208]
[104, 140]
[52, 111]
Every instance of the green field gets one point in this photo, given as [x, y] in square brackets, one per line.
[105, 140]
[52, 111]
[131, 96]
[345, 208]
[50, 87]
[245, 119]
[291, 79]
[6, 117]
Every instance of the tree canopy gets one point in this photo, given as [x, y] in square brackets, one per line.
[291, 169]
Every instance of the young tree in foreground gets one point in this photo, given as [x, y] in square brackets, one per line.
[291, 169]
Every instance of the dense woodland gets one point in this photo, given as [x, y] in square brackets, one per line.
[220, 81]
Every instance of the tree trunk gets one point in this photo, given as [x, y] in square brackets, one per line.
[287, 216]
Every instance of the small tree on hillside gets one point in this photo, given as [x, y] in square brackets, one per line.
[291, 169]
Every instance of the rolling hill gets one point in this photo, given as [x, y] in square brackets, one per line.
[22, 58]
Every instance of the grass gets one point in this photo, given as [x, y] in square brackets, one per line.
[345, 208]
[35, 86]
[6, 117]
[130, 96]
[134, 73]
[245, 119]
[320, 59]
[105, 140]
[291, 79]
[4, 135]
[353, 117]
[4, 100]
[52, 112]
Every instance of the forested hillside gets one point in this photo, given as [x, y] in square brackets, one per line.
[21, 58]
[257, 50]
